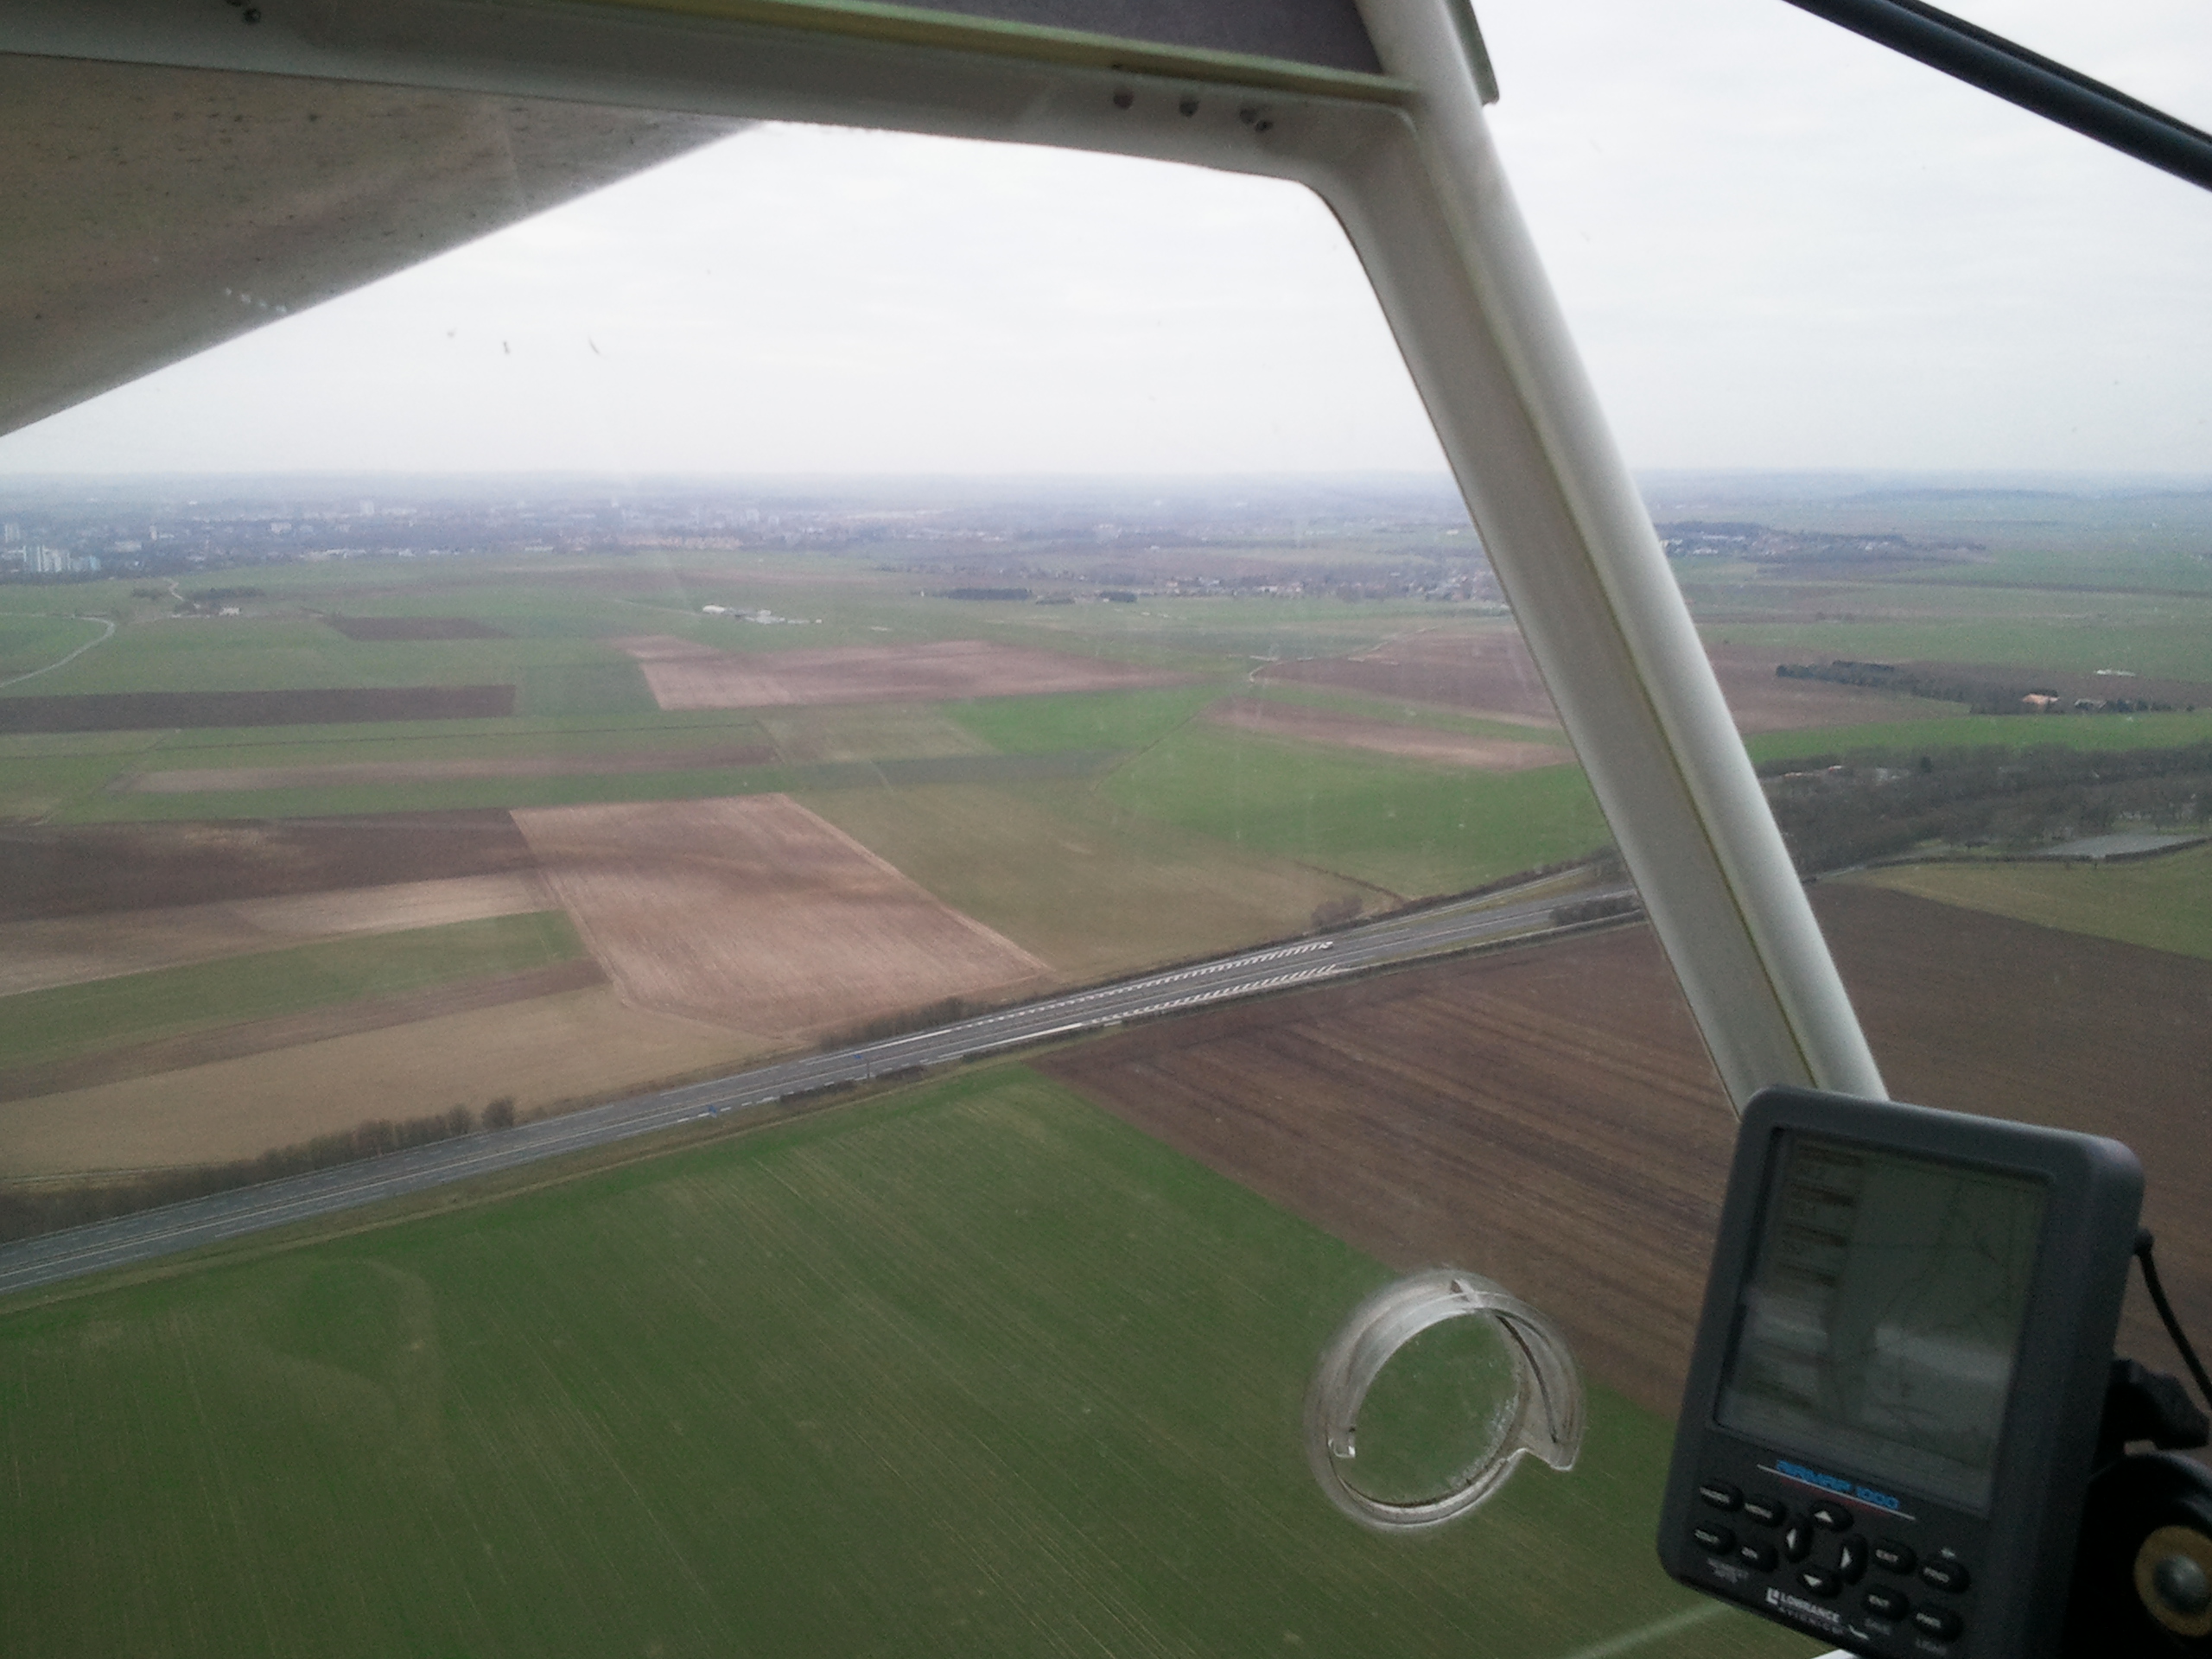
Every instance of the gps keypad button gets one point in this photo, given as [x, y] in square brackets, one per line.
[1797, 1539]
[1851, 1560]
[1758, 1557]
[1894, 1557]
[1889, 1604]
[1939, 1621]
[1719, 1539]
[1819, 1580]
[1833, 1516]
[1945, 1575]
[1767, 1511]
[1720, 1495]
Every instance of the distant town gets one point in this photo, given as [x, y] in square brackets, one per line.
[1041, 541]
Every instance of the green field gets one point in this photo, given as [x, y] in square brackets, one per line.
[2164, 902]
[1092, 889]
[1411, 830]
[978, 1370]
[38, 1025]
[1086, 719]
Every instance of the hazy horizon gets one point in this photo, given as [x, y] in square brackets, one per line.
[1779, 248]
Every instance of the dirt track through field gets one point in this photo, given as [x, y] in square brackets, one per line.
[756, 914]
[73, 949]
[1382, 737]
[187, 780]
[1548, 1116]
[689, 675]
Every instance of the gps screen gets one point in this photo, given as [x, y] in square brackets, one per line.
[1880, 1323]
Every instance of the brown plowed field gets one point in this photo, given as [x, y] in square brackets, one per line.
[685, 675]
[754, 913]
[1548, 1115]
[135, 711]
[290, 1030]
[413, 627]
[73, 949]
[1492, 674]
[1412, 742]
[84, 870]
[188, 780]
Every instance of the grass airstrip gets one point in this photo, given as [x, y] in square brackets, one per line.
[971, 1369]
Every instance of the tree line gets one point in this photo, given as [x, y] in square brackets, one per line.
[27, 1210]
[1838, 810]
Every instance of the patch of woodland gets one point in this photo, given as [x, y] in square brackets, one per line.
[29, 1210]
[1835, 811]
[1999, 691]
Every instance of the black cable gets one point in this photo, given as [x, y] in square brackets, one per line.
[2027, 78]
[2142, 1243]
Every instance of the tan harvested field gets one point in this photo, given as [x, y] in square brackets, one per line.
[413, 627]
[187, 780]
[1486, 672]
[1490, 673]
[1093, 890]
[1382, 737]
[754, 913]
[132, 711]
[1762, 700]
[72, 870]
[686, 675]
[179, 1054]
[73, 950]
[547, 1052]
[1548, 1115]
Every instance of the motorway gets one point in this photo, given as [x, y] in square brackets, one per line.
[224, 1215]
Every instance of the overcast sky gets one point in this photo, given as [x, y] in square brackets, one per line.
[1779, 246]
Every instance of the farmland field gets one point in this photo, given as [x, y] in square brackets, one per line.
[980, 1370]
[686, 675]
[1409, 829]
[1090, 888]
[70, 950]
[1548, 1115]
[547, 1052]
[2164, 902]
[755, 914]
[1404, 740]
[45, 1025]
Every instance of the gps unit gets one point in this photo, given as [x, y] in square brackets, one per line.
[1893, 1405]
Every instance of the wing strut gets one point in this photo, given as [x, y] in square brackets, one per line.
[2028, 78]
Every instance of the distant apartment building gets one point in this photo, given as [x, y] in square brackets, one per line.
[57, 562]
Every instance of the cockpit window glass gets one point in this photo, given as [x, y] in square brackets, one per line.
[901, 753]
